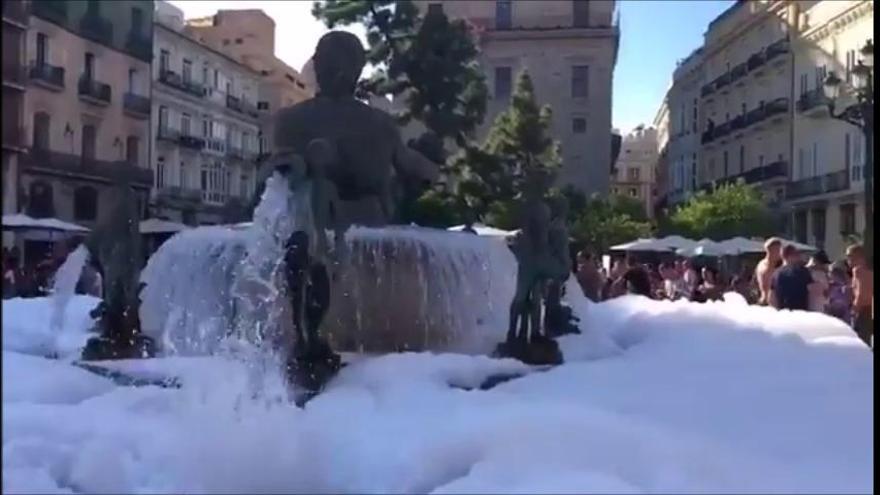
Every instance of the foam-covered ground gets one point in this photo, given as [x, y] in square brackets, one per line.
[654, 397]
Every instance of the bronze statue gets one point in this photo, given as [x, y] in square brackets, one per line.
[558, 319]
[115, 246]
[351, 154]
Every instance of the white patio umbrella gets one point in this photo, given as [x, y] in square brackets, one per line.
[159, 226]
[485, 230]
[705, 247]
[741, 245]
[22, 222]
[675, 242]
[649, 244]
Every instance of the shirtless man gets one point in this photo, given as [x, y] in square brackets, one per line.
[863, 293]
[766, 267]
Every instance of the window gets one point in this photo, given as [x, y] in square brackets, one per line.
[89, 66]
[742, 109]
[132, 143]
[503, 14]
[847, 219]
[804, 84]
[42, 49]
[225, 42]
[41, 200]
[205, 74]
[244, 186]
[185, 120]
[137, 20]
[801, 164]
[632, 173]
[581, 13]
[800, 226]
[579, 125]
[435, 8]
[262, 105]
[694, 119]
[206, 128]
[132, 80]
[160, 172]
[850, 64]
[815, 159]
[694, 172]
[580, 79]
[85, 203]
[164, 61]
[89, 138]
[632, 192]
[681, 119]
[183, 176]
[216, 79]
[41, 131]
[820, 76]
[858, 164]
[187, 70]
[847, 157]
[818, 224]
[502, 83]
[742, 158]
[726, 164]
[238, 41]
[163, 117]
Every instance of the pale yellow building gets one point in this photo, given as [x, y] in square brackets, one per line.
[683, 149]
[826, 195]
[87, 107]
[249, 37]
[15, 23]
[746, 106]
[634, 174]
[570, 49]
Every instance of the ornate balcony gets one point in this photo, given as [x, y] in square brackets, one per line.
[174, 80]
[822, 184]
[738, 122]
[234, 151]
[778, 48]
[74, 165]
[47, 75]
[177, 196]
[756, 60]
[95, 27]
[192, 142]
[93, 91]
[812, 101]
[722, 80]
[738, 72]
[233, 103]
[137, 105]
[707, 89]
[773, 170]
[13, 137]
[777, 107]
[165, 133]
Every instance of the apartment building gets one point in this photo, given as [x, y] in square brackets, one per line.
[746, 106]
[249, 37]
[87, 107]
[660, 201]
[633, 175]
[15, 22]
[826, 195]
[206, 125]
[570, 49]
[683, 150]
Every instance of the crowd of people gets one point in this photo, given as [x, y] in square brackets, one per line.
[782, 279]
[35, 279]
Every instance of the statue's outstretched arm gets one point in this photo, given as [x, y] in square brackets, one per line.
[410, 163]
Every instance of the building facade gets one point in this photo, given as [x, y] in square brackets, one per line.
[249, 37]
[206, 127]
[745, 105]
[633, 175]
[826, 195]
[660, 202]
[683, 150]
[15, 22]
[87, 107]
[570, 49]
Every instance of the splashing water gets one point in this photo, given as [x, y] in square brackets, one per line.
[64, 285]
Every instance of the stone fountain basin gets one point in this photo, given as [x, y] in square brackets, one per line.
[402, 288]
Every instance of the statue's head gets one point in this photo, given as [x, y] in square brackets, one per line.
[339, 59]
[559, 206]
[537, 182]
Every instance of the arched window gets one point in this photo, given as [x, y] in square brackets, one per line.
[41, 131]
[85, 203]
[41, 203]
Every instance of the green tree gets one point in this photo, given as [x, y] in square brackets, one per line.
[730, 210]
[430, 62]
[490, 176]
[602, 223]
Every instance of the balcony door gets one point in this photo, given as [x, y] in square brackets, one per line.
[42, 49]
[132, 143]
[89, 142]
[503, 14]
[41, 131]
[89, 66]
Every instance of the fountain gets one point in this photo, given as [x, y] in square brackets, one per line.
[320, 270]
[64, 285]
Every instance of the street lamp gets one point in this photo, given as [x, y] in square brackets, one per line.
[861, 115]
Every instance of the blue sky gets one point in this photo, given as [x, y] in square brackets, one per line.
[655, 34]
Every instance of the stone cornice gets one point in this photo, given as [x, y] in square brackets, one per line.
[840, 22]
